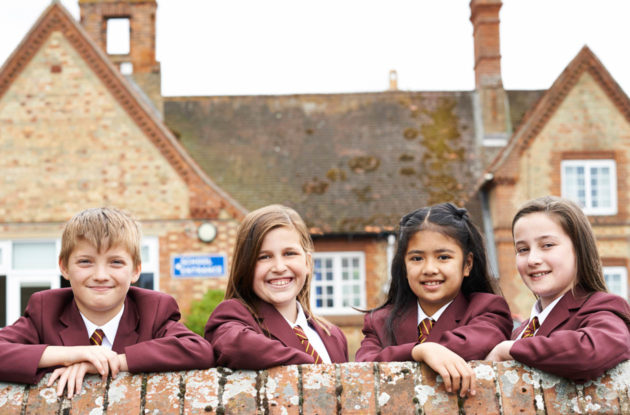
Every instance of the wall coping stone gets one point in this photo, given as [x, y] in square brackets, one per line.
[348, 388]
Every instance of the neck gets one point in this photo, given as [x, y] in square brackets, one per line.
[99, 319]
[289, 311]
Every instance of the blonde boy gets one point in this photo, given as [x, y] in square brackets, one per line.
[101, 324]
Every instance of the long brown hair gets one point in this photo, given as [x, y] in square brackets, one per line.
[575, 224]
[249, 239]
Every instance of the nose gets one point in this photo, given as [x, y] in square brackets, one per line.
[101, 272]
[278, 264]
[533, 258]
[429, 267]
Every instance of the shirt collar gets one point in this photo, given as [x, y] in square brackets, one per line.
[422, 315]
[542, 314]
[110, 328]
[301, 318]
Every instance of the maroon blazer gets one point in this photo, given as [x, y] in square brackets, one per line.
[239, 342]
[470, 327]
[149, 334]
[582, 337]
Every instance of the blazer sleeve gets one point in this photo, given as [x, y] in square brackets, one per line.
[173, 347]
[601, 341]
[20, 351]
[239, 342]
[488, 322]
[372, 347]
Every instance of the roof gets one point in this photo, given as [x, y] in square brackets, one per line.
[346, 162]
[537, 117]
[206, 198]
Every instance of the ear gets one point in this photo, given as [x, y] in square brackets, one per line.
[136, 273]
[63, 269]
[468, 264]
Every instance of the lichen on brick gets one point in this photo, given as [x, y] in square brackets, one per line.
[362, 164]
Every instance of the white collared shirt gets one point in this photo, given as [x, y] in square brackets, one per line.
[110, 328]
[313, 338]
[422, 315]
[541, 314]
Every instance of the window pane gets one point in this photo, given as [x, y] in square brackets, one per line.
[25, 294]
[3, 300]
[1, 264]
[329, 289]
[63, 283]
[34, 255]
[118, 36]
[145, 281]
[144, 254]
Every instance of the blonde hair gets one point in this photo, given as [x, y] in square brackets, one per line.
[249, 239]
[103, 228]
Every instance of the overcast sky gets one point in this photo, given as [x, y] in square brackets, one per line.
[247, 47]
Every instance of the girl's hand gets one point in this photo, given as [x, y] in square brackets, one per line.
[501, 352]
[453, 369]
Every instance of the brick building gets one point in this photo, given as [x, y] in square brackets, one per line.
[75, 133]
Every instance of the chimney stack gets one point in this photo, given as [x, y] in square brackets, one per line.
[393, 80]
[492, 100]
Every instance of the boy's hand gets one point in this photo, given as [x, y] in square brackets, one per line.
[501, 352]
[100, 357]
[447, 364]
[72, 376]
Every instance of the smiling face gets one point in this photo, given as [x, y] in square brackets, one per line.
[281, 270]
[99, 280]
[545, 257]
[435, 267]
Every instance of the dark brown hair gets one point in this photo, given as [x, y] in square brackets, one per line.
[575, 224]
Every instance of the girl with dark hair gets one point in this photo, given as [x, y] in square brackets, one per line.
[266, 319]
[442, 307]
[576, 329]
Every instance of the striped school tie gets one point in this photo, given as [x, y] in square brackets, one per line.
[531, 328]
[424, 328]
[97, 337]
[306, 344]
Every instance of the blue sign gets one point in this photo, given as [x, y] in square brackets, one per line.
[198, 265]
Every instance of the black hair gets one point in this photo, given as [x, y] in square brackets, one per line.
[449, 220]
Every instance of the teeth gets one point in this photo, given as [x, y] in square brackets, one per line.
[280, 283]
[432, 283]
[540, 274]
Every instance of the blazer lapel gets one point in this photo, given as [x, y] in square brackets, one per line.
[276, 325]
[75, 333]
[406, 328]
[572, 299]
[334, 349]
[450, 318]
[127, 333]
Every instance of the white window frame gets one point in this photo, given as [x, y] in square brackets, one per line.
[338, 283]
[25, 277]
[588, 164]
[623, 271]
[153, 264]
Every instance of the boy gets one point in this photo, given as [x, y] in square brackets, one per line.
[100, 324]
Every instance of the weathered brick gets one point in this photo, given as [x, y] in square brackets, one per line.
[124, 394]
[517, 396]
[560, 395]
[42, 399]
[319, 389]
[396, 387]
[202, 391]
[240, 395]
[281, 391]
[485, 399]
[357, 381]
[11, 397]
[91, 397]
[431, 394]
[162, 393]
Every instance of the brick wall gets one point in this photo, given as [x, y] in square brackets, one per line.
[350, 388]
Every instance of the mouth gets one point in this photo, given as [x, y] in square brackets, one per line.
[432, 283]
[280, 282]
[540, 274]
[101, 288]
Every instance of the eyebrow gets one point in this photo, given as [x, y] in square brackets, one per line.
[440, 250]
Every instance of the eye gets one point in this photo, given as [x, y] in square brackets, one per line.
[415, 258]
[263, 257]
[521, 249]
[548, 245]
[444, 257]
[83, 261]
